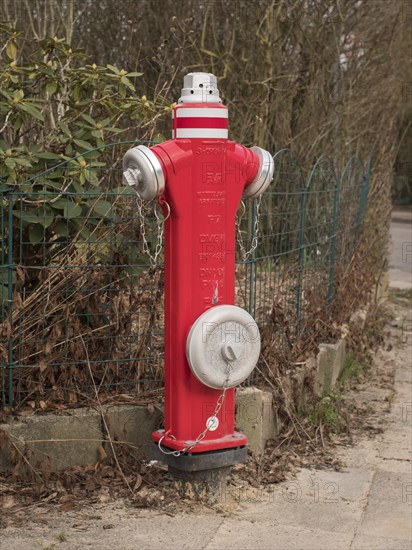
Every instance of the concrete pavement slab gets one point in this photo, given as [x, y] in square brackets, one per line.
[235, 534]
[340, 517]
[388, 513]
[396, 443]
[379, 543]
[396, 465]
[152, 531]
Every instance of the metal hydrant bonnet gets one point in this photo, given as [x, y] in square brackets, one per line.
[210, 344]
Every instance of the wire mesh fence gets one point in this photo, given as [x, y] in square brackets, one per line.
[82, 287]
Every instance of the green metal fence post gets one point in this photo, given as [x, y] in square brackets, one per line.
[333, 242]
[2, 235]
[301, 257]
[10, 299]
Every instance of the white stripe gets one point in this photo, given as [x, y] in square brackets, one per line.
[201, 133]
[207, 112]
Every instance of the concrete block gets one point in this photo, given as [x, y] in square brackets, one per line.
[255, 417]
[134, 425]
[330, 362]
[382, 290]
[303, 373]
[63, 441]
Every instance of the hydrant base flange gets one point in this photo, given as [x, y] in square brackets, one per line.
[202, 461]
[206, 486]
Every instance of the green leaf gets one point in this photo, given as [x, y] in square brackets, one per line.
[122, 90]
[134, 74]
[45, 216]
[60, 204]
[76, 92]
[11, 50]
[114, 130]
[65, 128]
[103, 208]
[124, 80]
[51, 87]
[159, 138]
[3, 186]
[26, 216]
[48, 156]
[17, 123]
[85, 234]
[112, 68]
[61, 229]
[36, 234]
[22, 162]
[83, 144]
[10, 163]
[89, 119]
[77, 187]
[91, 176]
[33, 111]
[72, 210]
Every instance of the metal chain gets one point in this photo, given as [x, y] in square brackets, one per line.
[219, 404]
[246, 254]
[160, 230]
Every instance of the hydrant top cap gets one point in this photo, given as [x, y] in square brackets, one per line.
[200, 88]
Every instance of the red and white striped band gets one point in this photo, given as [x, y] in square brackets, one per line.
[200, 122]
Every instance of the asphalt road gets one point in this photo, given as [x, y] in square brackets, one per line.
[400, 260]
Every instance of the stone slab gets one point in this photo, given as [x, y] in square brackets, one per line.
[64, 440]
[132, 424]
[255, 417]
[330, 362]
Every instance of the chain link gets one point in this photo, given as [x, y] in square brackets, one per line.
[219, 404]
[160, 230]
[246, 254]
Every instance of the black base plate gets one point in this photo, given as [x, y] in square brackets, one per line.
[201, 461]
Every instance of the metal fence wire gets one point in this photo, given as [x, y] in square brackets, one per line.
[82, 290]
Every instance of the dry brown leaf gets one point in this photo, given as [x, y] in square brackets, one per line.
[42, 365]
[139, 481]
[66, 506]
[48, 347]
[102, 454]
[8, 502]
[40, 520]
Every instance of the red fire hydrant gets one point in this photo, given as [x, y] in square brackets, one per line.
[211, 346]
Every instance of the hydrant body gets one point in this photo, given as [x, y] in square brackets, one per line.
[201, 176]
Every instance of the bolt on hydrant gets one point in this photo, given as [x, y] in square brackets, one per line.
[200, 177]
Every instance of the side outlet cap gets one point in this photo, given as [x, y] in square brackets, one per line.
[143, 172]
